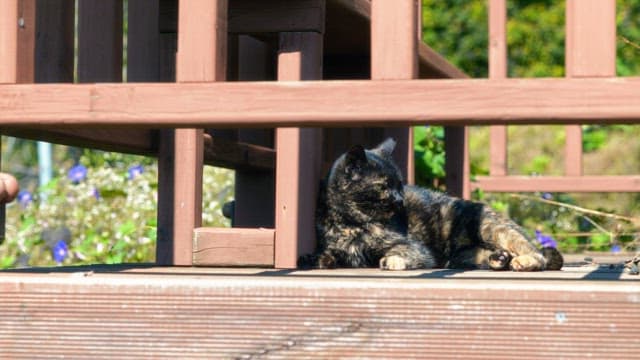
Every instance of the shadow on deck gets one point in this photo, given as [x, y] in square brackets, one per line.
[144, 311]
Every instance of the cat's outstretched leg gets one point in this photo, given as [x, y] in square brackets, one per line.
[407, 256]
[479, 258]
[504, 234]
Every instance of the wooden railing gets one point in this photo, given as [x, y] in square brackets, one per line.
[162, 119]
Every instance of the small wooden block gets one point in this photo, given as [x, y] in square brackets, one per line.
[233, 247]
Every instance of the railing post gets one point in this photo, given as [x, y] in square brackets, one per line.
[297, 155]
[394, 56]
[202, 53]
[498, 70]
[590, 52]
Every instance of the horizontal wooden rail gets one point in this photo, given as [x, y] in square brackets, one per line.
[233, 247]
[324, 103]
[604, 183]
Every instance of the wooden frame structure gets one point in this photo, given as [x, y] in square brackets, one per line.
[201, 89]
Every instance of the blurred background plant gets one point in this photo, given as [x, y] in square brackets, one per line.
[100, 210]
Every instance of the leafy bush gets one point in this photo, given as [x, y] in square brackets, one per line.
[101, 212]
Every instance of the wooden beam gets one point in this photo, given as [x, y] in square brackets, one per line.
[202, 55]
[324, 103]
[605, 183]
[99, 41]
[144, 312]
[8, 41]
[233, 247]
[222, 152]
[590, 52]
[275, 16]
[394, 55]
[498, 70]
[298, 156]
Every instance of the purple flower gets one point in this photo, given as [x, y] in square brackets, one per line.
[616, 248]
[77, 173]
[545, 240]
[24, 198]
[547, 196]
[134, 171]
[60, 251]
[96, 193]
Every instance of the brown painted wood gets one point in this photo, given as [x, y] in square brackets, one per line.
[26, 41]
[394, 55]
[54, 43]
[8, 42]
[457, 166]
[233, 247]
[275, 16]
[498, 70]
[219, 151]
[143, 39]
[254, 195]
[199, 313]
[608, 183]
[590, 51]
[311, 103]
[99, 41]
[298, 156]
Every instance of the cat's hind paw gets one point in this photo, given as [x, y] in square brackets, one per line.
[528, 262]
[499, 260]
[393, 262]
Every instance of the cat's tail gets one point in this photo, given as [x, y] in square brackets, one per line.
[553, 257]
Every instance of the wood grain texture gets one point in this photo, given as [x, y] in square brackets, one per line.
[276, 16]
[8, 41]
[199, 313]
[99, 41]
[54, 41]
[394, 55]
[298, 156]
[498, 70]
[233, 247]
[325, 104]
[604, 183]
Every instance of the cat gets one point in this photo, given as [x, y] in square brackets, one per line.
[366, 217]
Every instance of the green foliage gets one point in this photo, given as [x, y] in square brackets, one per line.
[428, 147]
[107, 217]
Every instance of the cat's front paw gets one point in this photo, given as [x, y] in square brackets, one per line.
[499, 260]
[528, 262]
[393, 262]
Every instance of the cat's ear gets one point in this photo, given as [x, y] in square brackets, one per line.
[356, 155]
[385, 149]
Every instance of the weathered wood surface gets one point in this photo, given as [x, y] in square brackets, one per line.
[587, 183]
[325, 103]
[196, 313]
[233, 247]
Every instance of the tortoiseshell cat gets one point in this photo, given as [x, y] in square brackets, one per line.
[366, 217]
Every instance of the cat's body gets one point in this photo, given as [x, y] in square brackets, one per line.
[366, 217]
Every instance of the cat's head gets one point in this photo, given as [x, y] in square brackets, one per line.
[366, 184]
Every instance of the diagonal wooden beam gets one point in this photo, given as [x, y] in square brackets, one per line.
[324, 103]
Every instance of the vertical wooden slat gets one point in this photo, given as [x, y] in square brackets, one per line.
[54, 41]
[590, 51]
[394, 55]
[8, 41]
[254, 190]
[202, 56]
[8, 63]
[143, 41]
[99, 40]
[297, 156]
[498, 70]
[457, 165]
[26, 41]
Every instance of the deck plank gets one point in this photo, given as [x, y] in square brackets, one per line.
[144, 311]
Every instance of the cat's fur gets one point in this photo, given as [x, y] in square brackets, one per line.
[366, 217]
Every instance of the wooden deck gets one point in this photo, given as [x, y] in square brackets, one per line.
[139, 311]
